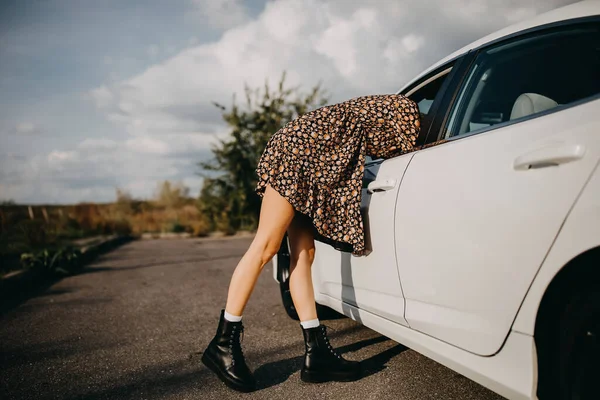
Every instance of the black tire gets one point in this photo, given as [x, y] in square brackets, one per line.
[569, 351]
[283, 276]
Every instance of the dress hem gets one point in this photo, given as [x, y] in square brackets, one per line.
[320, 235]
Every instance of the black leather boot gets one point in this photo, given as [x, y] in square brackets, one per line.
[322, 363]
[225, 358]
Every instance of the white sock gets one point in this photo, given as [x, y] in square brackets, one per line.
[312, 323]
[232, 318]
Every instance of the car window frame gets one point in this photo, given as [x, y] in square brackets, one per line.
[445, 98]
[449, 85]
[446, 93]
[516, 36]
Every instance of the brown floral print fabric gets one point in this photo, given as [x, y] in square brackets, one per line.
[316, 161]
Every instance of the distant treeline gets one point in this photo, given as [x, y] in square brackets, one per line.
[30, 228]
[226, 203]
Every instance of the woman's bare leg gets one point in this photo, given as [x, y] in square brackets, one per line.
[276, 213]
[321, 363]
[302, 255]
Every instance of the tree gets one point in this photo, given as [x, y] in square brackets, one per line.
[171, 195]
[227, 196]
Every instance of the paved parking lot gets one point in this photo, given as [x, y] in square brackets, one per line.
[132, 326]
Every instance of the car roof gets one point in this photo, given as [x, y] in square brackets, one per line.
[577, 10]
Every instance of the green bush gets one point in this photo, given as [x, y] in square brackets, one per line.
[121, 227]
[177, 227]
[35, 233]
[62, 261]
[227, 197]
[70, 228]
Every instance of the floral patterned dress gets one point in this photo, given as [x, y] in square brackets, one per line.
[316, 161]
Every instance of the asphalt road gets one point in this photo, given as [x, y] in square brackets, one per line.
[134, 323]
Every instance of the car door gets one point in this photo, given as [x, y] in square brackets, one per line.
[371, 283]
[477, 214]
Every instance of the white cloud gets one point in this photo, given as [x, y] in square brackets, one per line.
[147, 145]
[93, 169]
[59, 158]
[222, 14]
[336, 43]
[166, 111]
[26, 128]
[93, 144]
[102, 96]
[354, 47]
[152, 51]
[412, 42]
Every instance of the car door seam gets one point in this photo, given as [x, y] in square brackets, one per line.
[395, 244]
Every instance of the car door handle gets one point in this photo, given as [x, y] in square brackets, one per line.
[381, 185]
[550, 156]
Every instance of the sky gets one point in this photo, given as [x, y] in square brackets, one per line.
[98, 95]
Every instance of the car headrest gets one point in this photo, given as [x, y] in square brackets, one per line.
[531, 103]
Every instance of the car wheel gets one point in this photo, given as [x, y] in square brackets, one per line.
[572, 355]
[579, 348]
[283, 276]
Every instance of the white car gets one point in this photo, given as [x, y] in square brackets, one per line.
[485, 244]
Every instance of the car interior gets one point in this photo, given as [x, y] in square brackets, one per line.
[530, 76]
[424, 97]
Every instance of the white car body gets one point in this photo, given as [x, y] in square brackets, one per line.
[467, 235]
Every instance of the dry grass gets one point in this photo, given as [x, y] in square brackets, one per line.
[29, 228]
[161, 219]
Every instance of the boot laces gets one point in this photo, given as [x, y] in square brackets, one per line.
[326, 339]
[235, 346]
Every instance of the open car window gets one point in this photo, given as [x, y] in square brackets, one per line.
[528, 76]
[425, 92]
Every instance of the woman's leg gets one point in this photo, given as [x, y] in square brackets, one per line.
[302, 255]
[321, 361]
[224, 354]
[276, 213]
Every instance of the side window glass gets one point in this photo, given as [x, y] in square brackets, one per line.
[424, 94]
[528, 76]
